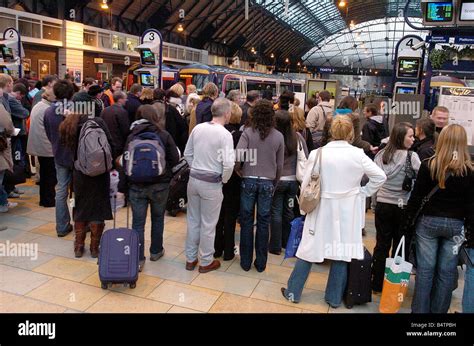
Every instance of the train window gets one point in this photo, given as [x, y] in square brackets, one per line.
[231, 85]
[199, 80]
[297, 88]
[284, 87]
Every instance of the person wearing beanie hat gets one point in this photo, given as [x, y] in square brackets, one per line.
[95, 91]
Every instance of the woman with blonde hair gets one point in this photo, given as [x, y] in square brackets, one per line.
[439, 228]
[299, 125]
[147, 96]
[332, 230]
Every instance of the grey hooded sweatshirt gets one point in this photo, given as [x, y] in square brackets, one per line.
[391, 192]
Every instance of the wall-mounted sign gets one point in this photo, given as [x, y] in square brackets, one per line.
[98, 61]
[326, 70]
[460, 102]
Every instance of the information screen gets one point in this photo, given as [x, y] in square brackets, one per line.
[146, 79]
[147, 57]
[439, 12]
[7, 53]
[405, 90]
[467, 11]
[408, 68]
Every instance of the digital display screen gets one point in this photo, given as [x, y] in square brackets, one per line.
[146, 79]
[147, 57]
[405, 90]
[7, 53]
[439, 12]
[467, 10]
[408, 68]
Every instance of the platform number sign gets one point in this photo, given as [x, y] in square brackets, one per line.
[11, 35]
[150, 37]
[409, 42]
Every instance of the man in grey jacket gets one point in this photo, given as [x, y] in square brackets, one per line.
[210, 154]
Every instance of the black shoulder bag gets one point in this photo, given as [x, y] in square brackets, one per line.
[409, 174]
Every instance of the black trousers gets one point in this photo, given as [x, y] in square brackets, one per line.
[47, 182]
[224, 241]
[388, 218]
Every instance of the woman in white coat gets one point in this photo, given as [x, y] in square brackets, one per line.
[333, 230]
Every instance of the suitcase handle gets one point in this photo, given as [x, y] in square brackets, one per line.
[115, 211]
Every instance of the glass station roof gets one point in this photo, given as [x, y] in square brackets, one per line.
[314, 19]
[366, 45]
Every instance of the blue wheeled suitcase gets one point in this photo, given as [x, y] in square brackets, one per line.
[119, 256]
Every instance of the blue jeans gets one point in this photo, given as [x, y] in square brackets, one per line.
[260, 192]
[335, 287]
[3, 193]
[437, 259]
[468, 295]
[63, 218]
[282, 214]
[140, 197]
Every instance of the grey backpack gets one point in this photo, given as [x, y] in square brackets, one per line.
[94, 155]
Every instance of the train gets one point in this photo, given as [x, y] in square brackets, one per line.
[228, 79]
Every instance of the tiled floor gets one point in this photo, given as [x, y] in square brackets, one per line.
[55, 281]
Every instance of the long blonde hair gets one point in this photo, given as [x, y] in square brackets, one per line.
[451, 155]
[297, 120]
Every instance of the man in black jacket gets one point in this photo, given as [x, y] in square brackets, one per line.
[116, 118]
[374, 129]
[133, 101]
[425, 138]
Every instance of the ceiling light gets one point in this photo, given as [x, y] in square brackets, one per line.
[287, 60]
[342, 4]
[180, 28]
[272, 55]
[104, 5]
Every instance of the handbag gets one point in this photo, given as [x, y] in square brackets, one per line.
[311, 194]
[396, 280]
[295, 236]
[409, 174]
[300, 162]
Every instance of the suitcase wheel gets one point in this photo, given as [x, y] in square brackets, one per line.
[133, 284]
[103, 285]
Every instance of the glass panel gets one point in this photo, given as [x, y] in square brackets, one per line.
[29, 27]
[131, 44]
[90, 38]
[165, 51]
[52, 31]
[181, 54]
[173, 53]
[118, 42]
[189, 55]
[104, 40]
[196, 56]
[6, 21]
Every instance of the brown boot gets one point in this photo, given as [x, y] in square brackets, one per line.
[80, 230]
[96, 233]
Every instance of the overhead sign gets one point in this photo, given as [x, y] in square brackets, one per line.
[326, 69]
[464, 40]
[98, 61]
[448, 39]
[437, 39]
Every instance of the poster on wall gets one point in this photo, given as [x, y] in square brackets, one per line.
[460, 102]
[77, 76]
[44, 68]
[26, 65]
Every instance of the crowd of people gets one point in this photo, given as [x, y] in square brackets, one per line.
[244, 164]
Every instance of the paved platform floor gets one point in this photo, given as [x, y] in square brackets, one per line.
[57, 282]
